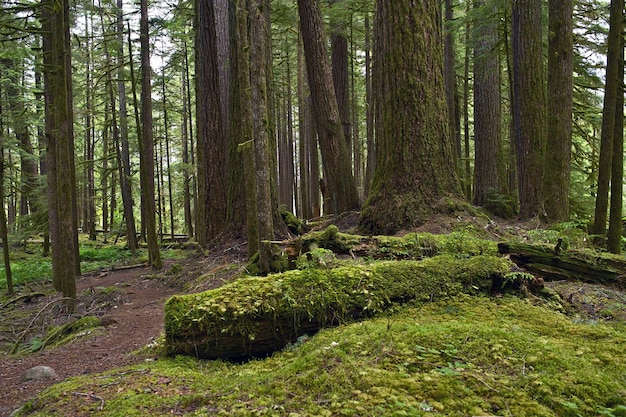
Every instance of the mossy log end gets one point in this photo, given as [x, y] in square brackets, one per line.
[254, 317]
[554, 264]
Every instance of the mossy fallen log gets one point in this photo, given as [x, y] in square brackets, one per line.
[254, 317]
[555, 264]
[412, 246]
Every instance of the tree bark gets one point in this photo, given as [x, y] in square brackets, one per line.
[608, 119]
[488, 172]
[559, 105]
[340, 184]
[147, 143]
[211, 153]
[62, 210]
[529, 105]
[415, 158]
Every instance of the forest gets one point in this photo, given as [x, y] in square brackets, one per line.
[280, 183]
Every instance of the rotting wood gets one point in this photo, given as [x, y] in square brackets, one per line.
[558, 264]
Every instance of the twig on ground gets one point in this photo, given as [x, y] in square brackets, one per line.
[19, 339]
[91, 396]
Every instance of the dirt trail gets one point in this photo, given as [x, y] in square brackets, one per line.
[135, 321]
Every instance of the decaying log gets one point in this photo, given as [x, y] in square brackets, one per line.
[558, 264]
[253, 317]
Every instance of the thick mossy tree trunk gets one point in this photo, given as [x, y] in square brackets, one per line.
[415, 160]
[254, 317]
[62, 210]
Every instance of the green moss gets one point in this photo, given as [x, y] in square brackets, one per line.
[462, 243]
[458, 357]
[321, 297]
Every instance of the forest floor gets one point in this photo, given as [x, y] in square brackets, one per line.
[129, 303]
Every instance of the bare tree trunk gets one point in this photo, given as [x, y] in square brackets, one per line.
[340, 184]
[147, 142]
[559, 104]
[529, 105]
[608, 119]
[211, 209]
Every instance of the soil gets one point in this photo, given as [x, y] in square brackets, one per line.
[129, 302]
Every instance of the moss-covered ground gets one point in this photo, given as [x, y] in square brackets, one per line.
[461, 356]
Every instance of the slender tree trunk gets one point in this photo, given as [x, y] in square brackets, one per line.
[124, 148]
[339, 64]
[147, 142]
[340, 185]
[89, 208]
[449, 66]
[259, 33]
[466, 92]
[608, 119]
[185, 158]
[369, 109]
[243, 130]
[168, 168]
[559, 104]
[614, 237]
[4, 229]
[62, 215]
[529, 105]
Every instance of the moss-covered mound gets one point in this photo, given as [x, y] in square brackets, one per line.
[469, 356]
[257, 316]
[409, 246]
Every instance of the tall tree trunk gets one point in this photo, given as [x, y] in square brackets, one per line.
[4, 229]
[89, 207]
[339, 65]
[369, 108]
[147, 142]
[211, 217]
[415, 166]
[245, 130]
[259, 35]
[124, 148]
[616, 228]
[488, 175]
[187, 199]
[62, 215]
[559, 106]
[608, 119]
[168, 168]
[467, 189]
[340, 185]
[529, 105]
[449, 69]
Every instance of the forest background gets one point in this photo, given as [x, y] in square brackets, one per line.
[213, 113]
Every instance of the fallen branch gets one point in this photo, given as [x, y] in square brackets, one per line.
[91, 396]
[27, 297]
[19, 339]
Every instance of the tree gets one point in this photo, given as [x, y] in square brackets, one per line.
[529, 116]
[147, 143]
[415, 159]
[559, 106]
[211, 153]
[608, 118]
[62, 210]
[488, 175]
[341, 192]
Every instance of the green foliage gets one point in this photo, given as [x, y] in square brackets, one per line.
[34, 269]
[461, 357]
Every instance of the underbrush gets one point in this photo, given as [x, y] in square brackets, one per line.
[466, 356]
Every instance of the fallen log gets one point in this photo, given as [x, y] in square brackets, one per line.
[412, 246]
[554, 264]
[254, 317]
